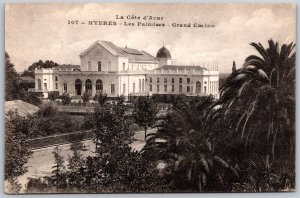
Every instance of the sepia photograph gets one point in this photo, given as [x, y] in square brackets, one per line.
[149, 98]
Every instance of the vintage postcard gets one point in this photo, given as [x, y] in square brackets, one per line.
[132, 97]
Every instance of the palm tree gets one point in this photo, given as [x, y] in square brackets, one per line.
[183, 144]
[258, 100]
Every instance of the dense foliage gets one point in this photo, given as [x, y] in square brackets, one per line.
[17, 130]
[39, 64]
[15, 88]
[115, 168]
[258, 109]
[145, 112]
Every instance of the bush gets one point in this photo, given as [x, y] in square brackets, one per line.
[53, 95]
[47, 110]
[66, 99]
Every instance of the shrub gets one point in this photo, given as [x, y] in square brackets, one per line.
[66, 99]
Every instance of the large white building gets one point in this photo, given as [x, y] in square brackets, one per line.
[116, 71]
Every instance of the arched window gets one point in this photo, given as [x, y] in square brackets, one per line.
[78, 87]
[99, 86]
[198, 87]
[88, 86]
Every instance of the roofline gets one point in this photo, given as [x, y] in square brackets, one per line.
[187, 66]
[103, 45]
[142, 61]
[149, 54]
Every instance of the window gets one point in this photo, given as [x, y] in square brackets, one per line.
[133, 88]
[150, 79]
[140, 85]
[123, 66]
[143, 85]
[173, 80]
[180, 80]
[157, 88]
[150, 87]
[99, 86]
[188, 80]
[112, 88]
[173, 88]
[108, 65]
[45, 86]
[165, 80]
[39, 84]
[56, 86]
[166, 88]
[99, 66]
[88, 86]
[78, 87]
[157, 80]
[188, 89]
[205, 89]
[65, 87]
[56, 78]
[198, 87]
[124, 88]
[89, 66]
[180, 88]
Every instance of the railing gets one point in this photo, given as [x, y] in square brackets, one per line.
[76, 109]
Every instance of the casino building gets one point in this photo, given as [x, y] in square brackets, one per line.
[107, 68]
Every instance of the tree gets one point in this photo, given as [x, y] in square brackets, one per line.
[183, 141]
[58, 177]
[15, 89]
[75, 165]
[40, 64]
[47, 111]
[145, 112]
[101, 98]
[258, 102]
[17, 153]
[86, 97]
[53, 95]
[111, 123]
[11, 80]
[66, 99]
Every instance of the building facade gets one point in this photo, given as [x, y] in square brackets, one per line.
[116, 71]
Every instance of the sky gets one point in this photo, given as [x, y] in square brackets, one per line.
[41, 31]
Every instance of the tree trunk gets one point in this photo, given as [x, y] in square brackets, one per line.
[145, 133]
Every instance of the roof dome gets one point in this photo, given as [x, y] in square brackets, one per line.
[163, 53]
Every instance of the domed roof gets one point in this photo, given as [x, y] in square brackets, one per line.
[163, 53]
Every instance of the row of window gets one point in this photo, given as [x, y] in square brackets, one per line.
[99, 65]
[88, 87]
[141, 86]
[180, 80]
[213, 86]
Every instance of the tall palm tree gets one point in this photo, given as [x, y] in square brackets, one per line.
[183, 144]
[258, 100]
